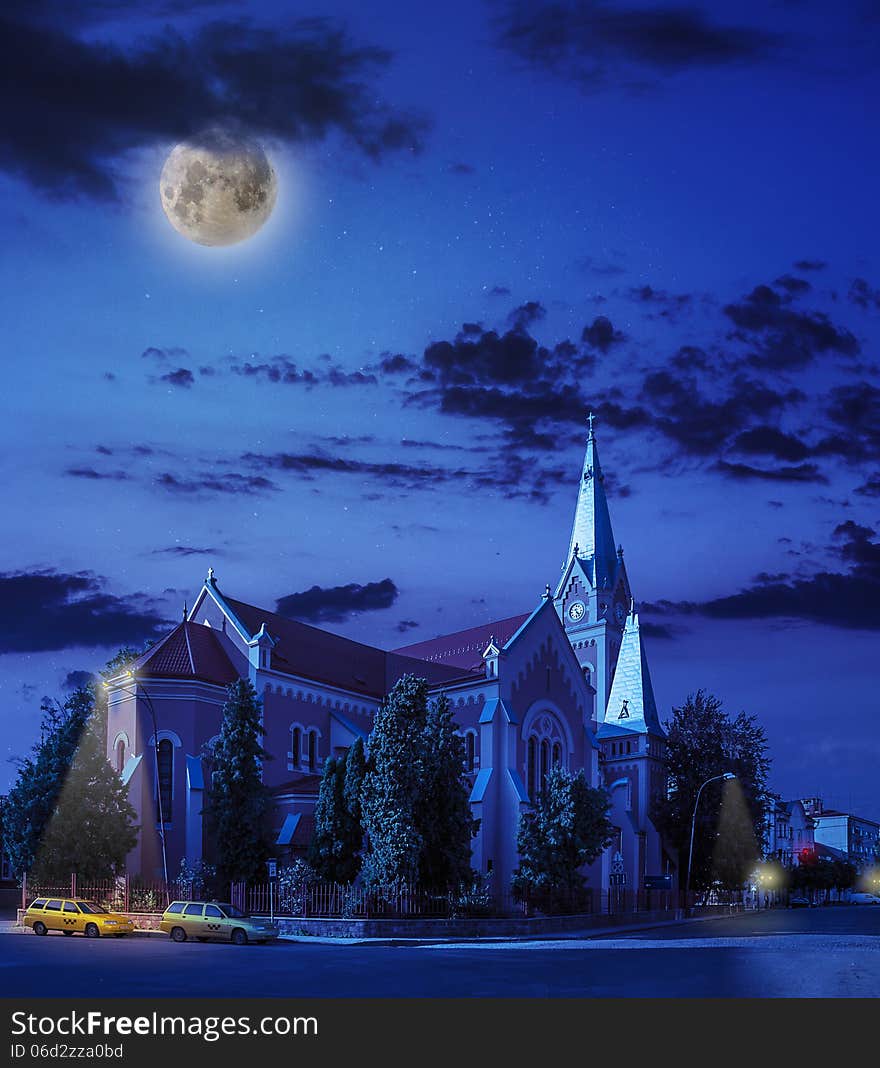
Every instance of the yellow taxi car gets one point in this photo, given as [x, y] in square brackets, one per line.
[219, 920]
[72, 915]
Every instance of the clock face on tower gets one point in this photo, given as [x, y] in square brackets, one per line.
[619, 612]
[576, 611]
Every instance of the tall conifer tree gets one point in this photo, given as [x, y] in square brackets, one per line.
[238, 802]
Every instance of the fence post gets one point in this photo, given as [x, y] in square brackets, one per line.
[24, 890]
[73, 884]
[126, 893]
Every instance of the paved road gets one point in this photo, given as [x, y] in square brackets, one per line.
[811, 953]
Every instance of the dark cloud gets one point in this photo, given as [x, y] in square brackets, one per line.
[769, 441]
[283, 370]
[869, 488]
[526, 315]
[76, 680]
[406, 624]
[174, 352]
[81, 105]
[508, 474]
[47, 610]
[461, 169]
[701, 425]
[335, 604]
[810, 265]
[182, 378]
[787, 338]
[663, 304]
[848, 599]
[598, 44]
[855, 408]
[745, 473]
[186, 550]
[96, 476]
[499, 291]
[793, 285]
[601, 335]
[661, 631]
[206, 483]
[863, 294]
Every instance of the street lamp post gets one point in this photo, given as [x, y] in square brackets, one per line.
[726, 776]
[149, 702]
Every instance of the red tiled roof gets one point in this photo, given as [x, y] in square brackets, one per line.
[326, 657]
[464, 649]
[190, 651]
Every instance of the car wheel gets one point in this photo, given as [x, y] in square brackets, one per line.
[239, 938]
[178, 934]
[67, 934]
[40, 928]
[92, 931]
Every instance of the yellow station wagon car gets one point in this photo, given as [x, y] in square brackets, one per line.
[72, 915]
[215, 920]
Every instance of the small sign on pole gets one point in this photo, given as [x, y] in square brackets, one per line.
[272, 869]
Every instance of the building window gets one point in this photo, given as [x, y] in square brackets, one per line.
[165, 758]
[530, 768]
[313, 750]
[120, 756]
[295, 746]
[557, 754]
[469, 751]
[545, 763]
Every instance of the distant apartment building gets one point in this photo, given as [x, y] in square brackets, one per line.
[789, 831]
[844, 833]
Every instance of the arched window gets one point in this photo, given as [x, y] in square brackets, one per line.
[313, 750]
[545, 763]
[165, 758]
[531, 768]
[469, 750]
[295, 746]
[557, 754]
[120, 756]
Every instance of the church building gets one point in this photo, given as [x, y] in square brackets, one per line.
[565, 683]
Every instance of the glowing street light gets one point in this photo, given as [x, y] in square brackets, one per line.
[726, 777]
[146, 696]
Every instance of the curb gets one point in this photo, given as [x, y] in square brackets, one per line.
[587, 934]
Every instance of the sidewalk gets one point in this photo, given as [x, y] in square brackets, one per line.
[9, 927]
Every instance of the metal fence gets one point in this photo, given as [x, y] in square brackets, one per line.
[123, 893]
[334, 900]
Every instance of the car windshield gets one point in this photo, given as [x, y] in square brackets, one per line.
[232, 912]
[90, 907]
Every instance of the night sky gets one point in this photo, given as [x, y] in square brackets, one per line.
[492, 218]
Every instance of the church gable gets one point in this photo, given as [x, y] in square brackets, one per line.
[539, 663]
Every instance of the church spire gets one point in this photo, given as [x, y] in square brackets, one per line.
[631, 701]
[592, 538]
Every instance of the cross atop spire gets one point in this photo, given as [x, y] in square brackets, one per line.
[590, 418]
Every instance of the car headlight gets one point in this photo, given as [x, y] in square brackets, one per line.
[111, 923]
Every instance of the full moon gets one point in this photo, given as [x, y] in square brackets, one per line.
[218, 189]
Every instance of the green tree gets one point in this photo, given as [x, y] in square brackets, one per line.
[68, 810]
[390, 793]
[238, 801]
[443, 812]
[702, 742]
[567, 828]
[352, 831]
[326, 844]
[334, 851]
